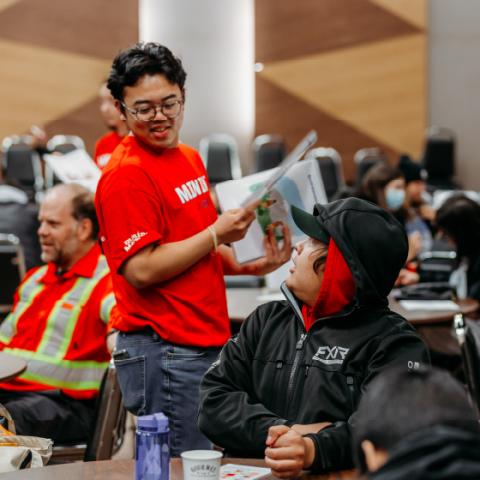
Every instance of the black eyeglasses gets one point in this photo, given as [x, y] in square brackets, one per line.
[170, 109]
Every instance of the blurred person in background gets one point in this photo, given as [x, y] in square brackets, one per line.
[106, 144]
[418, 213]
[459, 219]
[384, 185]
[416, 425]
[18, 216]
[58, 323]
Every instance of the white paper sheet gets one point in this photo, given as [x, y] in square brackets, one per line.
[432, 305]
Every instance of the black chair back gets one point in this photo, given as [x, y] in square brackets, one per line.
[12, 266]
[330, 164]
[220, 154]
[23, 168]
[439, 158]
[108, 429]
[365, 159]
[269, 151]
[468, 336]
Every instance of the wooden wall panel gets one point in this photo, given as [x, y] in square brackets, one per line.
[356, 63]
[55, 54]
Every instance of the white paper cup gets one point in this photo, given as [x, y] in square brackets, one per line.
[201, 464]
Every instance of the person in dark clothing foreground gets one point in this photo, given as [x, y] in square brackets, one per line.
[287, 386]
[417, 425]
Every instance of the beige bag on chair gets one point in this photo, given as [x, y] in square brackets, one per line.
[21, 451]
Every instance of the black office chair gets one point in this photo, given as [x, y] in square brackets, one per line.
[108, 430]
[365, 159]
[23, 165]
[439, 158]
[330, 164]
[219, 152]
[65, 143]
[12, 268]
[269, 151]
[436, 266]
[468, 336]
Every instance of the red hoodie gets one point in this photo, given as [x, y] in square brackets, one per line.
[337, 289]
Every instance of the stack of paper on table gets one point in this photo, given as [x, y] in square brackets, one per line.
[432, 305]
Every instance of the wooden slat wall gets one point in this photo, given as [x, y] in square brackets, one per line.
[352, 69]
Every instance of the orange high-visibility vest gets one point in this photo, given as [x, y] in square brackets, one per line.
[58, 324]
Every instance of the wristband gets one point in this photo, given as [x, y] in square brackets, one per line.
[213, 233]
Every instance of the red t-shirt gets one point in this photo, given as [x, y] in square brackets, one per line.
[144, 198]
[104, 148]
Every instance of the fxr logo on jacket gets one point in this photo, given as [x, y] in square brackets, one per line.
[331, 355]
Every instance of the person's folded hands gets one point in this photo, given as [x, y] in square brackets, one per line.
[287, 452]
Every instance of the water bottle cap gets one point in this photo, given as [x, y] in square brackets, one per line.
[147, 422]
[162, 422]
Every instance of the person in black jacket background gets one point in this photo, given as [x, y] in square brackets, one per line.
[417, 425]
[288, 385]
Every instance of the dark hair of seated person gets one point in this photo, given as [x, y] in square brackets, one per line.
[459, 218]
[400, 405]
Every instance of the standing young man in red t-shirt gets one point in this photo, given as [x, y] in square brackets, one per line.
[166, 247]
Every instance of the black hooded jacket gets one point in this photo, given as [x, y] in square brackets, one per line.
[441, 452]
[275, 372]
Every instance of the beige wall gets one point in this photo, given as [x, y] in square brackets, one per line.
[55, 54]
[454, 80]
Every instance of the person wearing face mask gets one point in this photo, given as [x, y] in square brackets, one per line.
[385, 186]
[286, 388]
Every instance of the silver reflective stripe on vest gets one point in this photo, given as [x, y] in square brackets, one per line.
[68, 374]
[26, 294]
[106, 307]
[64, 316]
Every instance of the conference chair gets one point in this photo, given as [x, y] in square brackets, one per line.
[439, 158]
[468, 337]
[219, 152]
[436, 266]
[269, 151]
[12, 268]
[108, 427]
[23, 166]
[65, 143]
[366, 158]
[330, 164]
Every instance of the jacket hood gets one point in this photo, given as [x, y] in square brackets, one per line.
[436, 453]
[373, 243]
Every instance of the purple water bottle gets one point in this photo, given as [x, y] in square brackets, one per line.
[152, 448]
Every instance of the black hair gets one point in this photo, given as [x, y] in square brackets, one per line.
[376, 179]
[144, 59]
[459, 218]
[83, 206]
[403, 401]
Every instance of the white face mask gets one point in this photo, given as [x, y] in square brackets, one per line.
[394, 197]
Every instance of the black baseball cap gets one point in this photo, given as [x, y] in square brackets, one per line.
[310, 224]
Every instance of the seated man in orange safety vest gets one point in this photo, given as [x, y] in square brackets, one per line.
[58, 323]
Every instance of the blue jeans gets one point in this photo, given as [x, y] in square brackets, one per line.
[156, 376]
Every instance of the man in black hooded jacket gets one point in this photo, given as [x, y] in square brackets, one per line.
[288, 385]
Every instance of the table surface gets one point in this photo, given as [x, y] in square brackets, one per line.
[124, 470]
[10, 366]
[242, 301]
